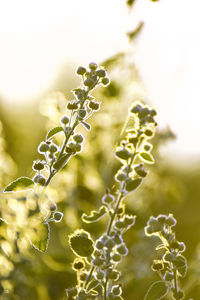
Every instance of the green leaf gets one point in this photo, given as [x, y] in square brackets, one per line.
[86, 125]
[93, 284]
[59, 164]
[20, 183]
[133, 184]
[181, 265]
[81, 243]
[122, 153]
[40, 237]
[53, 131]
[157, 291]
[147, 157]
[94, 215]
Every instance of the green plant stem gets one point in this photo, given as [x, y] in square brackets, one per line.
[105, 289]
[89, 276]
[121, 195]
[176, 284]
[67, 137]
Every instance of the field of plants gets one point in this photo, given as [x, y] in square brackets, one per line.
[90, 209]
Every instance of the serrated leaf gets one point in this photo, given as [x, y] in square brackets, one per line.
[157, 291]
[53, 131]
[181, 265]
[133, 184]
[94, 215]
[40, 237]
[86, 125]
[20, 183]
[81, 243]
[147, 157]
[59, 164]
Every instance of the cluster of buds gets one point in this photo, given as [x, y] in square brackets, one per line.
[104, 255]
[173, 264]
[55, 156]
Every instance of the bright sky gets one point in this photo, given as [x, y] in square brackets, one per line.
[37, 36]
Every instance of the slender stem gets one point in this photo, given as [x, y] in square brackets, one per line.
[67, 137]
[176, 284]
[105, 289]
[89, 276]
[120, 196]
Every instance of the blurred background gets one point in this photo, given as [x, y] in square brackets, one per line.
[151, 53]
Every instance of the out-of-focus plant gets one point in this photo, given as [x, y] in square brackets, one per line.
[96, 265]
[172, 265]
[26, 213]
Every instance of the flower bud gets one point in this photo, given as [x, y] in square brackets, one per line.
[122, 249]
[93, 66]
[108, 198]
[170, 221]
[136, 108]
[40, 180]
[82, 113]
[89, 82]
[94, 105]
[57, 216]
[78, 264]
[78, 138]
[157, 265]
[99, 275]
[101, 73]
[147, 147]
[53, 148]
[139, 169]
[64, 120]
[120, 176]
[105, 81]
[116, 257]
[81, 71]
[38, 165]
[43, 147]
[116, 290]
[72, 105]
[78, 147]
[148, 132]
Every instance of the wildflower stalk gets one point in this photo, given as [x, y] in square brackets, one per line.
[173, 264]
[100, 272]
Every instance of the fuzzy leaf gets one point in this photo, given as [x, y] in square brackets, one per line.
[59, 164]
[81, 243]
[40, 237]
[133, 184]
[147, 157]
[94, 215]
[157, 291]
[20, 183]
[53, 131]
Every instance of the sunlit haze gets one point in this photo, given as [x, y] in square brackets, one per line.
[37, 37]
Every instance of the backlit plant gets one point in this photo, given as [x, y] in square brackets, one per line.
[172, 265]
[25, 215]
[96, 265]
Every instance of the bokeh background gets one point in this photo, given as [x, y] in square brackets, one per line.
[42, 43]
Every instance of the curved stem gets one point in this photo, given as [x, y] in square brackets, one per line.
[120, 196]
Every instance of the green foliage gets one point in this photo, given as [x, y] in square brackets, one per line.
[18, 184]
[173, 264]
[106, 253]
[157, 291]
